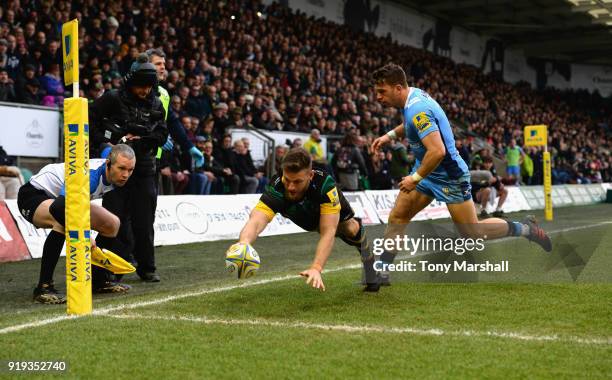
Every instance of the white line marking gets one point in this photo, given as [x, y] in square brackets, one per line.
[109, 309]
[370, 329]
[38, 323]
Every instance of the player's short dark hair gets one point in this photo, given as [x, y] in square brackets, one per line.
[391, 74]
[297, 159]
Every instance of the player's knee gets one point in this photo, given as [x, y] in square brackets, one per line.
[57, 227]
[469, 230]
[109, 226]
[397, 217]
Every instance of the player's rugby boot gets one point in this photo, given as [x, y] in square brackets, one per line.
[537, 234]
[47, 294]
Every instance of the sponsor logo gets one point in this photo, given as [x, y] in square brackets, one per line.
[421, 121]
[73, 129]
[73, 236]
[67, 44]
[333, 197]
[192, 218]
[602, 80]
[34, 134]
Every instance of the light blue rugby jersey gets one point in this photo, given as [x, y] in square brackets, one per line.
[422, 116]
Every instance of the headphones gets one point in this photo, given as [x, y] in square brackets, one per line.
[140, 69]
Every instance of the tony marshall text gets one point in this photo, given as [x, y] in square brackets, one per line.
[456, 266]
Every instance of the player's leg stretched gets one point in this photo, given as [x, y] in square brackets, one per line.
[353, 233]
[407, 205]
[464, 217]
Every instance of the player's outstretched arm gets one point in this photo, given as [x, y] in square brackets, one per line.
[327, 229]
[256, 224]
[396, 133]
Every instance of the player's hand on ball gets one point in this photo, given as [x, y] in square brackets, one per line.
[380, 142]
[407, 184]
[313, 277]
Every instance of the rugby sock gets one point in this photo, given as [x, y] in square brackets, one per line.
[517, 229]
[387, 257]
[51, 253]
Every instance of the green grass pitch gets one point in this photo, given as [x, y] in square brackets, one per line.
[200, 322]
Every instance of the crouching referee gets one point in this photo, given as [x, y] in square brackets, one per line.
[42, 202]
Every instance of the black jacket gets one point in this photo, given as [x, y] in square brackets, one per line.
[117, 113]
[244, 165]
[227, 158]
[211, 164]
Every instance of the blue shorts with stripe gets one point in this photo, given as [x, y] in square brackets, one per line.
[447, 190]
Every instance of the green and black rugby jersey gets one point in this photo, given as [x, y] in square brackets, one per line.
[322, 197]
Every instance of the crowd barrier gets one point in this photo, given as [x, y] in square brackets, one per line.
[182, 219]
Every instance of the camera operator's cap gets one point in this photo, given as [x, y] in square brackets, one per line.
[142, 74]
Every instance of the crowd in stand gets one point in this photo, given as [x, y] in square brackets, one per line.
[235, 64]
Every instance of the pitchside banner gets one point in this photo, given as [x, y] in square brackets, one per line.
[12, 246]
[184, 219]
[383, 201]
[193, 218]
[363, 207]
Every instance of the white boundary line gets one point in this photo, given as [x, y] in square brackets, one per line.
[368, 329]
[157, 301]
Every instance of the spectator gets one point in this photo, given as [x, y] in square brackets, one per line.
[400, 161]
[201, 179]
[463, 149]
[227, 158]
[249, 177]
[213, 166]
[313, 145]
[10, 177]
[269, 68]
[174, 175]
[222, 122]
[348, 164]
[279, 153]
[197, 102]
[7, 90]
[514, 159]
[291, 124]
[52, 85]
[31, 92]
[380, 171]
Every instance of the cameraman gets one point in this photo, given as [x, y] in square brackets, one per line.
[133, 115]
